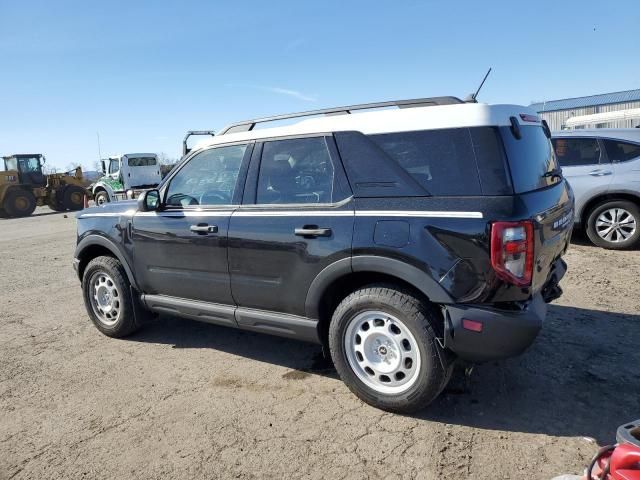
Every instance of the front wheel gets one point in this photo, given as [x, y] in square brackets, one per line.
[384, 347]
[107, 297]
[73, 198]
[102, 197]
[19, 203]
[614, 224]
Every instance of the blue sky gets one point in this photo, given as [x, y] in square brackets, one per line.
[141, 73]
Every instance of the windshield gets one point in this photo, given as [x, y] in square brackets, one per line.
[530, 158]
[142, 161]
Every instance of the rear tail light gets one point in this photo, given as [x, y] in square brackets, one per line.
[473, 325]
[512, 251]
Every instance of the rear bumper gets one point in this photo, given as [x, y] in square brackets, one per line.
[505, 333]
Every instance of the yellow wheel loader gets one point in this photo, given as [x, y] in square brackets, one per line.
[23, 186]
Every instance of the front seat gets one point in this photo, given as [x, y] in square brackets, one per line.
[278, 183]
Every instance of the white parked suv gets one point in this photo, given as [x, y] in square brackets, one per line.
[603, 167]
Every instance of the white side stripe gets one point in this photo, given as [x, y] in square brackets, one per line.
[418, 213]
[110, 214]
[297, 213]
[360, 213]
[187, 213]
[294, 213]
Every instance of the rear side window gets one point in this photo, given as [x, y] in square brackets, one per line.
[531, 158]
[576, 151]
[621, 151]
[459, 161]
[296, 171]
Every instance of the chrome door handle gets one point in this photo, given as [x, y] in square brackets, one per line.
[599, 172]
[313, 232]
[201, 228]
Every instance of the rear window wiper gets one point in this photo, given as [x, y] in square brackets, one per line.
[555, 173]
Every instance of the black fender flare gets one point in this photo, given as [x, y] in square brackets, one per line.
[93, 239]
[417, 278]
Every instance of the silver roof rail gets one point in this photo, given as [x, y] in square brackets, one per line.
[249, 125]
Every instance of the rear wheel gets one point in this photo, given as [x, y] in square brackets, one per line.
[19, 203]
[384, 346]
[56, 207]
[73, 198]
[107, 297]
[614, 224]
[102, 197]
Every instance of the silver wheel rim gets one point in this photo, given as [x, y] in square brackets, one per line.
[616, 225]
[101, 200]
[105, 299]
[382, 352]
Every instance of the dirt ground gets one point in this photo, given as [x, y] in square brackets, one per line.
[188, 400]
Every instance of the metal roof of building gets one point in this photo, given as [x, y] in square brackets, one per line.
[590, 101]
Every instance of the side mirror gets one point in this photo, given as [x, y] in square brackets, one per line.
[149, 201]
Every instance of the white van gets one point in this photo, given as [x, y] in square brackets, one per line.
[124, 176]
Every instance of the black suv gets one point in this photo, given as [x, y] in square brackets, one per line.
[399, 239]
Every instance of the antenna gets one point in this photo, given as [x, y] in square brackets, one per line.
[472, 98]
[99, 152]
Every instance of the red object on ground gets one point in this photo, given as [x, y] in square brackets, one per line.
[624, 464]
[86, 201]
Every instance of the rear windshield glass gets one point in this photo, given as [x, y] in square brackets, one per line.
[454, 161]
[142, 161]
[530, 158]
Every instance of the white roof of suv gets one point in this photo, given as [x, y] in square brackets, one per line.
[381, 121]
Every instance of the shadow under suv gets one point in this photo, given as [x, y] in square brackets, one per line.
[399, 239]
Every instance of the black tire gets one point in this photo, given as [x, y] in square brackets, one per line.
[56, 207]
[420, 319]
[19, 203]
[102, 197]
[630, 207]
[73, 198]
[100, 267]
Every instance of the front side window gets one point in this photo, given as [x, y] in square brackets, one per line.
[29, 164]
[209, 178]
[296, 171]
[618, 151]
[114, 166]
[576, 151]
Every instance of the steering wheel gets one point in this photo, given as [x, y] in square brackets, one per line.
[182, 200]
[207, 197]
